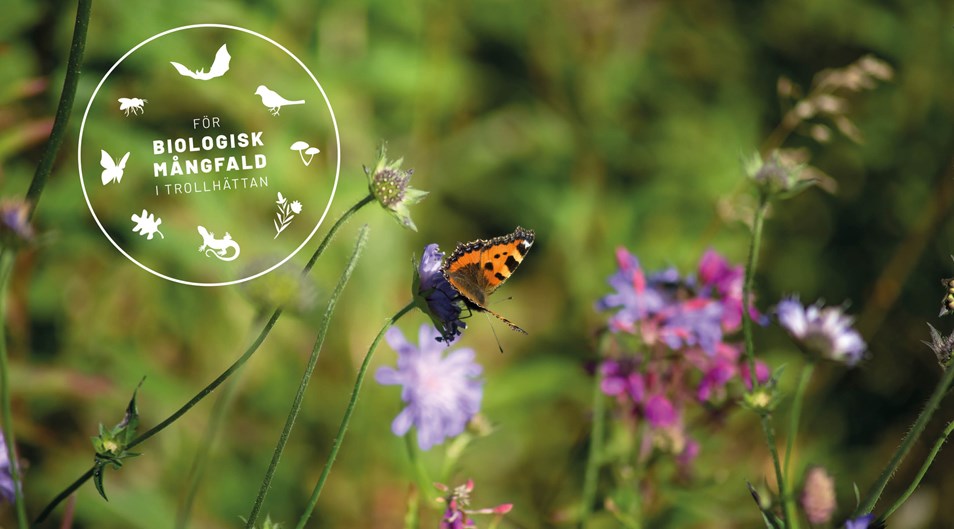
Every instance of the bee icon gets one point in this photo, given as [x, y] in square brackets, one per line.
[134, 104]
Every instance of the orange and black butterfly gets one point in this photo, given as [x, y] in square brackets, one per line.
[477, 268]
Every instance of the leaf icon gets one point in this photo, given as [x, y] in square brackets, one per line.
[147, 224]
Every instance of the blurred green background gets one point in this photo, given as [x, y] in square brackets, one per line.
[598, 124]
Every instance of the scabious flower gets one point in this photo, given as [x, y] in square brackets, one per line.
[826, 331]
[7, 490]
[777, 177]
[457, 514]
[818, 496]
[436, 297]
[388, 183]
[862, 522]
[15, 228]
[442, 393]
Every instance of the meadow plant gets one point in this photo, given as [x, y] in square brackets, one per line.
[676, 357]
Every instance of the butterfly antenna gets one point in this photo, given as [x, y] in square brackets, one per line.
[491, 324]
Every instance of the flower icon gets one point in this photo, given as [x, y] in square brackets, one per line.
[286, 212]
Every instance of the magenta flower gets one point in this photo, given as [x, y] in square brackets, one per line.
[457, 514]
[660, 412]
[442, 393]
[824, 331]
[727, 282]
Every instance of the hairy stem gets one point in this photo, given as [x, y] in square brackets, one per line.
[6, 268]
[747, 288]
[65, 106]
[923, 470]
[789, 501]
[595, 453]
[769, 432]
[306, 377]
[912, 436]
[343, 427]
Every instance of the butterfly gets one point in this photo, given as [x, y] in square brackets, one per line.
[477, 268]
[112, 171]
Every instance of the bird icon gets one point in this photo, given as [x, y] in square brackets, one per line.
[273, 101]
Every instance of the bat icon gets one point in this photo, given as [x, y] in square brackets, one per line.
[219, 66]
[112, 171]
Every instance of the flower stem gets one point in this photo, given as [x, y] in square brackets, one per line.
[306, 377]
[225, 374]
[875, 493]
[596, 451]
[65, 106]
[924, 468]
[6, 268]
[747, 287]
[794, 418]
[424, 483]
[769, 432]
[343, 427]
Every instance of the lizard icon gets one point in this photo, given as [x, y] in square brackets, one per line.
[218, 248]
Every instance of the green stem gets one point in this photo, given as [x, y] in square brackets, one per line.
[306, 377]
[595, 453]
[924, 468]
[6, 268]
[334, 229]
[875, 493]
[747, 287]
[789, 501]
[769, 432]
[216, 420]
[65, 106]
[412, 516]
[221, 378]
[424, 482]
[343, 427]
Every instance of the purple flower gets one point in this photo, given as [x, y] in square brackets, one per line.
[825, 331]
[15, 228]
[442, 393]
[693, 323]
[635, 299]
[862, 522]
[7, 490]
[436, 297]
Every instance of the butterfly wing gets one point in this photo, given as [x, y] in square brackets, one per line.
[122, 163]
[109, 167]
[476, 269]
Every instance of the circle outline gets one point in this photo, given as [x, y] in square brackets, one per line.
[334, 121]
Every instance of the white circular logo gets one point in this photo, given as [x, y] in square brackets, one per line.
[209, 155]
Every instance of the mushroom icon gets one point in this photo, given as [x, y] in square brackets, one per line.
[303, 149]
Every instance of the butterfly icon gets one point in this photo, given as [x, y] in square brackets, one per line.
[112, 171]
[477, 268]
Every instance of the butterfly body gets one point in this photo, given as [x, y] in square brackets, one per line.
[476, 269]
